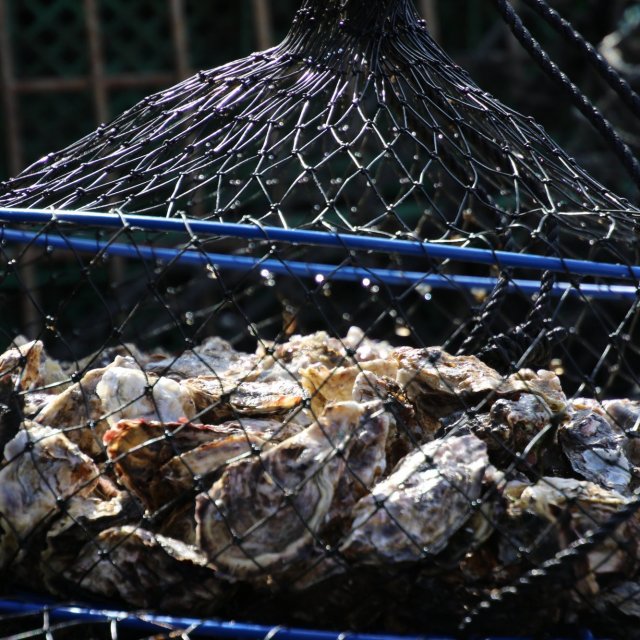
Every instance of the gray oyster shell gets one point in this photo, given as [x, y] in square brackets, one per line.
[146, 570]
[413, 513]
[41, 470]
[263, 515]
[595, 452]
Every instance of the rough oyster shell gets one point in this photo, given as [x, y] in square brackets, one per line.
[443, 382]
[412, 514]
[624, 414]
[146, 570]
[23, 364]
[366, 462]
[406, 432]
[82, 520]
[263, 515]
[214, 357]
[78, 412]
[595, 451]
[42, 469]
[139, 448]
[217, 399]
[189, 471]
[324, 385]
[128, 392]
[575, 509]
[283, 361]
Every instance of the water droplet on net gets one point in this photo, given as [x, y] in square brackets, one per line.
[402, 330]
[425, 291]
[189, 318]
[268, 278]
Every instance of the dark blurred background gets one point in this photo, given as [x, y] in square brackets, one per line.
[67, 65]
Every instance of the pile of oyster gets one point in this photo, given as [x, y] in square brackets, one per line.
[387, 487]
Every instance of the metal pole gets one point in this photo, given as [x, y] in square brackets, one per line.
[429, 9]
[9, 95]
[30, 302]
[96, 61]
[263, 24]
[179, 36]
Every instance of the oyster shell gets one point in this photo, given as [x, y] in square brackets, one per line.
[413, 513]
[586, 404]
[284, 360]
[139, 448]
[78, 412]
[262, 517]
[272, 430]
[542, 384]
[217, 400]
[324, 385]
[433, 371]
[366, 462]
[624, 414]
[128, 392]
[510, 428]
[146, 570]
[190, 471]
[41, 470]
[406, 433]
[576, 509]
[214, 357]
[595, 452]
[441, 383]
[23, 364]
[365, 349]
[84, 517]
[109, 355]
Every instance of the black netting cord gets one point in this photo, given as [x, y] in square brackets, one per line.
[559, 568]
[490, 308]
[529, 343]
[619, 84]
[579, 100]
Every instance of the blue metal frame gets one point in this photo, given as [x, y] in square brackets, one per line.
[203, 628]
[309, 270]
[220, 629]
[318, 238]
[416, 247]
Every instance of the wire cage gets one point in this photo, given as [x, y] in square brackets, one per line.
[326, 336]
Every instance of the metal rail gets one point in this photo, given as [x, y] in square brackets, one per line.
[308, 270]
[568, 266]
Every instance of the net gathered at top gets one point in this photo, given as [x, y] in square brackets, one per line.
[326, 335]
[357, 123]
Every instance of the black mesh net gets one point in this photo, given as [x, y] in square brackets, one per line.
[352, 344]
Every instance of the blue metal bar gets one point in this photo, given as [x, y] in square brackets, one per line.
[198, 627]
[307, 269]
[350, 241]
[202, 628]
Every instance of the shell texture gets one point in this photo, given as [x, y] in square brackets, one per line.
[182, 482]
